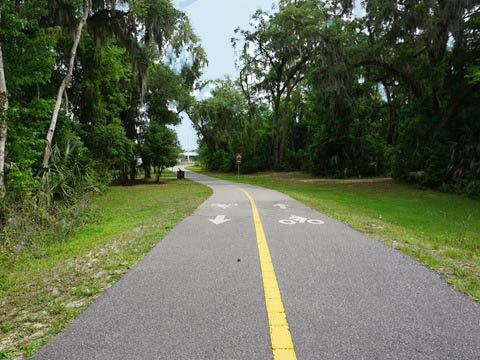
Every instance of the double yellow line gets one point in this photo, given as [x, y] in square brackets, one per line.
[282, 345]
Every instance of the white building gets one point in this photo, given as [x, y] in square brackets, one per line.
[188, 156]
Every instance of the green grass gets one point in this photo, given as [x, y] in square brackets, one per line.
[42, 290]
[440, 230]
[168, 173]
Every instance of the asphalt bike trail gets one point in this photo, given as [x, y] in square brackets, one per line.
[254, 274]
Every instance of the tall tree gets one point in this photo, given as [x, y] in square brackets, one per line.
[146, 28]
[225, 129]
[27, 62]
[65, 82]
[419, 45]
[277, 54]
[160, 147]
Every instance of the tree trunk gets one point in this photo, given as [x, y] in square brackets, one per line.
[3, 124]
[284, 127]
[276, 113]
[456, 105]
[65, 83]
[133, 169]
[392, 126]
[124, 174]
[148, 171]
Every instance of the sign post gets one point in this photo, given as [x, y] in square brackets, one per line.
[238, 159]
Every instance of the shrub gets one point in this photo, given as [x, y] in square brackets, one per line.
[473, 188]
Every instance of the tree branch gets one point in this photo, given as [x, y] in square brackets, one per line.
[417, 91]
[457, 103]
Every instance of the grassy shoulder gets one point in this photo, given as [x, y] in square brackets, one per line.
[44, 289]
[440, 230]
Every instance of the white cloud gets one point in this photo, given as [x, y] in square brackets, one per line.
[183, 3]
[207, 95]
[172, 106]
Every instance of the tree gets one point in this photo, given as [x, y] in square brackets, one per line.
[277, 54]
[225, 129]
[147, 27]
[65, 82]
[160, 148]
[423, 47]
[167, 95]
[3, 124]
[104, 104]
[28, 58]
[423, 54]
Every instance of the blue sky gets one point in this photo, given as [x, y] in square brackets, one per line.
[214, 22]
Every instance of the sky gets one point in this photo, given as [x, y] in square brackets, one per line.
[214, 22]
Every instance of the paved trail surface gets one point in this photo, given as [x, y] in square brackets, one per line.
[200, 293]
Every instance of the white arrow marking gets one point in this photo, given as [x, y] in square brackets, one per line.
[220, 219]
[281, 206]
[301, 220]
[224, 206]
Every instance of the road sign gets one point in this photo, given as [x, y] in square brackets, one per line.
[238, 159]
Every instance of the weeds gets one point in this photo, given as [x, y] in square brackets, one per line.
[31, 223]
[61, 203]
[48, 283]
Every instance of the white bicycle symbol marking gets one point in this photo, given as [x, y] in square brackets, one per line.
[294, 219]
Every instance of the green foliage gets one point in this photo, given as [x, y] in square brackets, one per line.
[393, 92]
[166, 88]
[71, 174]
[225, 129]
[275, 59]
[159, 148]
[22, 160]
[21, 29]
[106, 109]
[27, 78]
[32, 222]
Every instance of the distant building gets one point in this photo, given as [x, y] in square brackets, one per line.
[188, 156]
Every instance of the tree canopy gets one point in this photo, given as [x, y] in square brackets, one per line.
[89, 88]
[105, 89]
[391, 89]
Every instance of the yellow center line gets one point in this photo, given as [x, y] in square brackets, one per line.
[282, 345]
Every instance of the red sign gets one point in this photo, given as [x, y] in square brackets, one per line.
[239, 158]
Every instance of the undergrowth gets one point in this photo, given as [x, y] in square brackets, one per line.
[51, 278]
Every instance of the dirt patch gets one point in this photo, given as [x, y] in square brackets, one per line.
[345, 181]
[296, 176]
[283, 174]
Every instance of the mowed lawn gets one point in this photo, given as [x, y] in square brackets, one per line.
[441, 230]
[45, 288]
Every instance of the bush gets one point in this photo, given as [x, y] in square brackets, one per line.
[346, 156]
[33, 221]
[71, 172]
[49, 206]
[473, 188]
